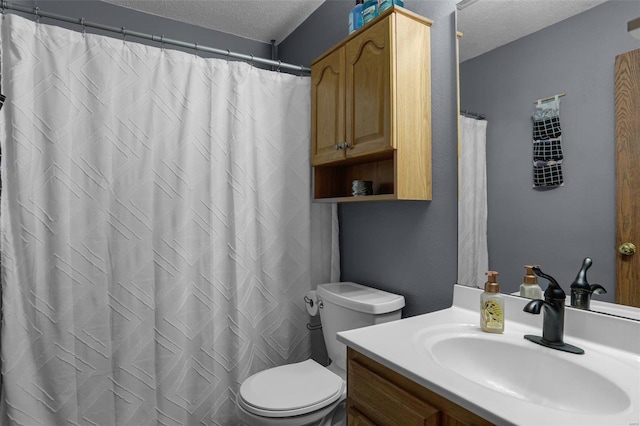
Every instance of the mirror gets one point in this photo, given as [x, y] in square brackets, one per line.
[554, 227]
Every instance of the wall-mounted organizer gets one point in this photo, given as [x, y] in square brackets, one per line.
[547, 143]
[371, 112]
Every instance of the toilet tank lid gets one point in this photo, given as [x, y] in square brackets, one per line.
[360, 298]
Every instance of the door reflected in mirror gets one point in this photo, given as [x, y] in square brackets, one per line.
[558, 227]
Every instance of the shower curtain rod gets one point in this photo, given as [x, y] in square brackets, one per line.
[160, 39]
[472, 114]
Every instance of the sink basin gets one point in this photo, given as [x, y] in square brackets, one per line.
[517, 368]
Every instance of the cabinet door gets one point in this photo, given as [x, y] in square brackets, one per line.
[356, 418]
[368, 90]
[380, 396]
[382, 402]
[327, 109]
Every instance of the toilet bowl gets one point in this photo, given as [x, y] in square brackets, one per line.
[304, 393]
[307, 393]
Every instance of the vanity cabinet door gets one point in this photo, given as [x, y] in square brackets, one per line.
[327, 109]
[383, 402]
[377, 395]
[356, 418]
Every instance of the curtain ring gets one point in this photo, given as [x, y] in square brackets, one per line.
[124, 34]
[36, 11]
[84, 29]
[279, 63]
[162, 42]
[251, 61]
[195, 49]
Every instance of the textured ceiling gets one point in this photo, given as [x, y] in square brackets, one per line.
[261, 20]
[486, 24]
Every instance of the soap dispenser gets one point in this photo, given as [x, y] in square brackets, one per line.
[492, 305]
[529, 287]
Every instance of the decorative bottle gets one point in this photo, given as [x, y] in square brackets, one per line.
[386, 4]
[492, 305]
[355, 17]
[369, 11]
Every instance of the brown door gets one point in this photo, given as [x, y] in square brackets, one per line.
[628, 177]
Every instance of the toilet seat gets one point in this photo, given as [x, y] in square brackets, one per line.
[290, 390]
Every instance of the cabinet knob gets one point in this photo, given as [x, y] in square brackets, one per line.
[346, 145]
[627, 249]
[338, 146]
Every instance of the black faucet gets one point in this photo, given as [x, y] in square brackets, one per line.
[581, 291]
[553, 321]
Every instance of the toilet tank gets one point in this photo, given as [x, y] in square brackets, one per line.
[346, 306]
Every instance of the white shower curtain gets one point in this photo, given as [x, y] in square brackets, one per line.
[156, 229]
[473, 257]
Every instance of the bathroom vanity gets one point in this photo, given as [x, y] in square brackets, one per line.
[442, 369]
[377, 395]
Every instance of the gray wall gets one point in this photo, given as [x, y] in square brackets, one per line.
[405, 247]
[556, 228]
[110, 14]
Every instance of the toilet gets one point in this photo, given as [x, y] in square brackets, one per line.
[306, 393]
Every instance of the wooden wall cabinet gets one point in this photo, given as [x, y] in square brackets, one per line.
[377, 395]
[371, 111]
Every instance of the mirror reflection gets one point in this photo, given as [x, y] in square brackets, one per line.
[560, 225]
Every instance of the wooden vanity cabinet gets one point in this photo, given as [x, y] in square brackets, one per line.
[371, 111]
[377, 395]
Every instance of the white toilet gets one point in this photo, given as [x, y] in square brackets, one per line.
[306, 393]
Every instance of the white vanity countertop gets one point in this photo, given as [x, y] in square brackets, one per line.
[400, 345]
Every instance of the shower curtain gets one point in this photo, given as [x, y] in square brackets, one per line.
[473, 256]
[157, 233]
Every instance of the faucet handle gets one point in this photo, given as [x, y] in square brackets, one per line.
[581, 282]
[597, 289]
[553, 291]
